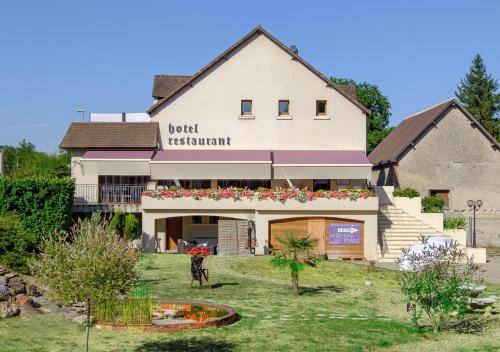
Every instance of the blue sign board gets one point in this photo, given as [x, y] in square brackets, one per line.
[344, 234]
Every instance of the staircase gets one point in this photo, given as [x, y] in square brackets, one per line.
[397, 230]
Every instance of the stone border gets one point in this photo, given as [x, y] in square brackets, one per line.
[227, 319]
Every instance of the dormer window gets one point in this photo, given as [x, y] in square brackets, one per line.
[246, 107]
[320, 107]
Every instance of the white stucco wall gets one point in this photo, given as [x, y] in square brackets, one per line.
[264, 73]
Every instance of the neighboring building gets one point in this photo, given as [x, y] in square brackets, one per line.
[444, 151]
[256, 116]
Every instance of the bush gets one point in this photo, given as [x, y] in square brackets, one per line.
[130, 227]
[124, 225]
[17, 243]
[44, 204]
[437, 285]
[405, 192]
[432, 204]
[454, 223]
[92, 264]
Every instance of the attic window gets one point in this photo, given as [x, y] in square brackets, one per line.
[320, 107]
[246, 107]
[283, 107]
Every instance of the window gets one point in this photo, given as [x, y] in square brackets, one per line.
[320, 107]
[246, 107]
[342, 182]
[196, 220]
[250, 184]
[213, 220]
[442, 194]
[321, 185]
[283, 107]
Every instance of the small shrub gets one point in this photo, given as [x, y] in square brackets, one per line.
[405, 192]
[295, 255]
[454, 223]
[124, 225]
[436, 284]
[130, 226]
[432, 204]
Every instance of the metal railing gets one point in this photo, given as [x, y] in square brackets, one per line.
[108, 194]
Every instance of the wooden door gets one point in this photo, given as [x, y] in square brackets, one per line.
[174, 232]
[441, 194]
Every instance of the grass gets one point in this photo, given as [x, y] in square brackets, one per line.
[336, 312]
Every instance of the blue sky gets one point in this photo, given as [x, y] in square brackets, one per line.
[57, 56]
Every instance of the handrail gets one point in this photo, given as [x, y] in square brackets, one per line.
[108, 194]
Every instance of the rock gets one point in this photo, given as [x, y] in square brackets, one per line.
[17, 285]
[9, 276]
[32, 290]
[8, 309]
[27, 310]
[39, 302]
[70, 315]
[23, 300]
[368, 284]
[44, 310]
[82, 319]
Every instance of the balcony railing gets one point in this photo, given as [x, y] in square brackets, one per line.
[108, 194]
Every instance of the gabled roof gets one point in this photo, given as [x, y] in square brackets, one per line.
[111, 135]
[413, 127]
[259, 30]
[165, 85]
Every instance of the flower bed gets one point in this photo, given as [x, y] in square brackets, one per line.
[278, 195]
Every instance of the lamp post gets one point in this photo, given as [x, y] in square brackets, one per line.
[474, 206]
[82, 113]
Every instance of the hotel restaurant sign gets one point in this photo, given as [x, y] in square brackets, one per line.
[186, 135]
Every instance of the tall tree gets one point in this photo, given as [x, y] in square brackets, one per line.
[478, 92]
[26, 161]
[372, 98]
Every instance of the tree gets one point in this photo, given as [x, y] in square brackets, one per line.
[478, 92]
[372, 98]
[25, 161]
[92, 265]
[295, 255]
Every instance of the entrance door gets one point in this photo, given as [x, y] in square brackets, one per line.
[174, 232]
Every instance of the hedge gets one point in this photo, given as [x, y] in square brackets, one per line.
[44, 204]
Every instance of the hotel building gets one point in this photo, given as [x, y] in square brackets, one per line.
[255, 144]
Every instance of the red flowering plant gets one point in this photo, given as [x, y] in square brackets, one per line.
[238, 194]
[199, 252]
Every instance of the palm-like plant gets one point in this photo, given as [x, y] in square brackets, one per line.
[294, 255]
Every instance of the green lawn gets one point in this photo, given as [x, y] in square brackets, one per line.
[335, 313]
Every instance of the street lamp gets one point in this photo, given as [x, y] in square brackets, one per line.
[474, 206]
[82, 112]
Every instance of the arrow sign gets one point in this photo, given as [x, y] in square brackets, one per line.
[344, 234]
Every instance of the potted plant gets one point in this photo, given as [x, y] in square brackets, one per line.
[198, 273]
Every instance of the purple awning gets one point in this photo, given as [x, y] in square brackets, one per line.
[320, 157]
[258, 156]
[118, 154]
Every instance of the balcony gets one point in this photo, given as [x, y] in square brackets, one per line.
[108, 197]
[243, 200]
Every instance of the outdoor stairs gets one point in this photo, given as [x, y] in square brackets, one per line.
[397, 230]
